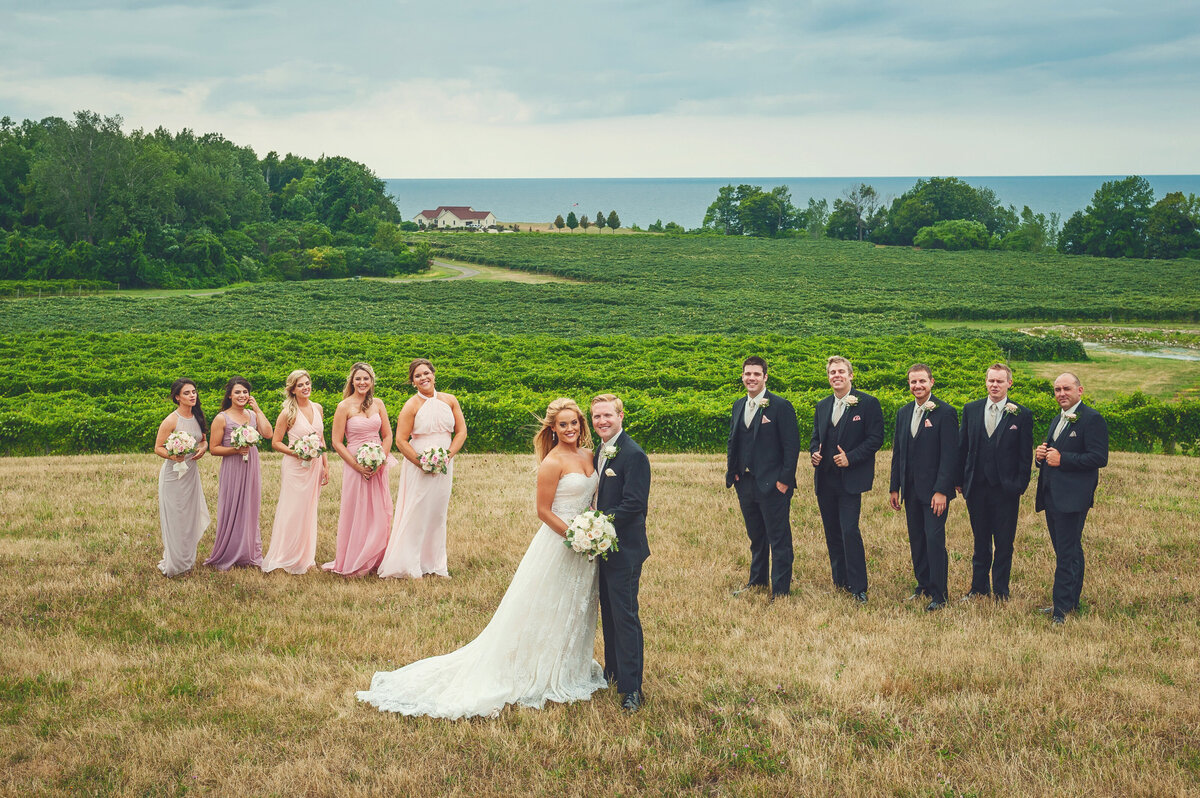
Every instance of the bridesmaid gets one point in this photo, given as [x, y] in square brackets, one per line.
[366, 513]
[294, 534]
[182, 511]
[239, 488]
[418, 543]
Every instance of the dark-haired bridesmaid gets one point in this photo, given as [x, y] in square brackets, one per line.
[182, 511]
[239, 489]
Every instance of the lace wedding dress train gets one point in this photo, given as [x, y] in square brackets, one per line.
[537, 647]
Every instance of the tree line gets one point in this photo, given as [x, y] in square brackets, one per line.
[81, 199]
[1123, 220]
[572, 222]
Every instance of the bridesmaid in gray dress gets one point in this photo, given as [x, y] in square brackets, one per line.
[239, 488]
[182, 511]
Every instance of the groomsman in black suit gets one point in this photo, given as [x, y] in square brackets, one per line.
[764, 446]
[995, 457]
[924, 467]
[623, 492]
[1070, 459]
[847, 432]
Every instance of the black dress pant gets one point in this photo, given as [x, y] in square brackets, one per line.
[847, 559]
[993, 516]
[769, 527]
[927, 542]
[1066, 535]
[623, 647]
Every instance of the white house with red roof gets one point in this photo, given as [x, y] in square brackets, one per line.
[451, 216]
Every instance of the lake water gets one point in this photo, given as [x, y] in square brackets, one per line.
[684, 200]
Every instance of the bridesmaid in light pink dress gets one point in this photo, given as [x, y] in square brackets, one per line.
[366, 514]
[294, 536]
[431, 419]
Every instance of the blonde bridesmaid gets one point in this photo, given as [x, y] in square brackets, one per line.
[429, 419]
[293, 545]
[366, 514]
[182, 511]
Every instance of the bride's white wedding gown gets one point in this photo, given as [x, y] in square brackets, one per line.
[537, 647]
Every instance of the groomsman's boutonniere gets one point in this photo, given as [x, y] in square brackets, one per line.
[609, 450]
[929, 406]
[1011, 409]
[1071, 417]
[850, 400]
[764, 402]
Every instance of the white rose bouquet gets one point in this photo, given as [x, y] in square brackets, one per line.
[370, 455]
[434, 460]
[308, 448]
[592, 534]
[245, 435]
[180, 443]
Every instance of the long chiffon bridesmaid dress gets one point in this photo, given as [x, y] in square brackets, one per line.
[418, 543]
[293, 544]
[366, 514]
[182, 511]
[239, 499]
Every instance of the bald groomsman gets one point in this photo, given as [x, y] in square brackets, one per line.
[995, 457]
[1070, 459]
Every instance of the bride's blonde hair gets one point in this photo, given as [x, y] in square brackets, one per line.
[290, 405]
[546, 438]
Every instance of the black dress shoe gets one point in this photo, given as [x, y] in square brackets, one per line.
[632, 701]
[1000, 596]
[973, 594]
[861, 597]
[934, 605]
[1058, 619]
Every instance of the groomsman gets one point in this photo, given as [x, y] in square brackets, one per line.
[847, 432]
[764, 446]
[924, 467]
[1070, 459]
[995, 456]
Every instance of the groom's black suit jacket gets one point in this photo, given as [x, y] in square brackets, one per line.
[932, 455]
[1011, 448]
[1070, 487]
[776, 444]
[624, 495]
[859, 432]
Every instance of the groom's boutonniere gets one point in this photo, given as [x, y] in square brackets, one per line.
[929, 406]
[850, 400]
[764, 403]
[1071, 417]
[1011, 409]
[609, 450]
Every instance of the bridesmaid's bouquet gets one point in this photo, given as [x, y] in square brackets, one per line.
[180, 443]
[591, 533]
[308, 448]
[434, 460]
[245, 436]
[370, 455]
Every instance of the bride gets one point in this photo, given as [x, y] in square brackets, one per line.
[538, 646]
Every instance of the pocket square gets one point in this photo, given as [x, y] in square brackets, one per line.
[766, 420]
[857, 418]
[928, 423]
[1072, 435]
[608, 472]
[1014, 426]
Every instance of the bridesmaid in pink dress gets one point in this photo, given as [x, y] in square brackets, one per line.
[239, 485]
[431, 419]
[366, 514]
[294, 534]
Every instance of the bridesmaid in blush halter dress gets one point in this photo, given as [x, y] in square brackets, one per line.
[429, 419]
[294, 535]
[366, 514]
[239, 487]
[182, 511]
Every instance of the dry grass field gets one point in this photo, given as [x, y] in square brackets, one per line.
[117, 681]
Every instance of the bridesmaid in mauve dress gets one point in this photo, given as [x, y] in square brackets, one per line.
[294, 535]
[418, 543]
[239, 487]
[366, 514]
[182, 511]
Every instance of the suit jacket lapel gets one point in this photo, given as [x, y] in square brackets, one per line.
[756, 422]
[1002, 422]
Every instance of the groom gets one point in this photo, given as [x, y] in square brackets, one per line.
[623, 492]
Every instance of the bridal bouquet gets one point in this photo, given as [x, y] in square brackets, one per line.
[434, 460]
[370, 455]
[591, 533]
[308, 448]
[244, 436]
[180, 442]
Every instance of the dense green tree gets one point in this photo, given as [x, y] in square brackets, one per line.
[585, 223]
[856, 215]
[816, 217]
[1114, 224]
[656, 227]
[954, 234]
[1034, 233]
[599, 217]
[558, 222]
[572, 222]
[941, 199]
[1173, 226]
[614, 221]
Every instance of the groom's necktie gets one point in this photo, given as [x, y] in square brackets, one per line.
[751, 409]
[993, 418]
[839, 407]
[916, 419]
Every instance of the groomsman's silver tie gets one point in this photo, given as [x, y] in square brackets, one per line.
[839, 407]
[1062, 425]
[993, 418]
[916, 420]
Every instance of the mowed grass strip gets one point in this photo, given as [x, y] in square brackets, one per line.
[117, 681]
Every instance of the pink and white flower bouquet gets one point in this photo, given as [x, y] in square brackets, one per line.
[434, 460]
[180, 443]
[308, 448]
[245, 435]
[370, 456]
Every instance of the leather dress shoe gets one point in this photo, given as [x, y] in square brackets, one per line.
[973, 594]
[934, 605]
[861, 597]
[632, 701]
[1058, 619]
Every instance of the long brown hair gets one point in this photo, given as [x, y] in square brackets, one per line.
[546, 438]
[290, 404]
[348, 391]
[197, 411]
[227, 402]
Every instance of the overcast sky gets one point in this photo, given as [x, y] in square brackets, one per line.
[680, 88]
